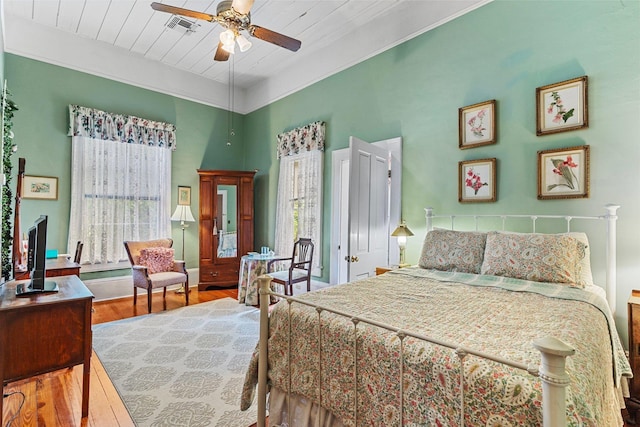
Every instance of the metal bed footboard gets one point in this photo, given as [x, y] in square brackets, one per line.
[551, 370]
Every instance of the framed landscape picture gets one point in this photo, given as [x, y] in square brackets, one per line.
[477, 181]
[562, 107]
[563, 173]
[477, 124]
[40, 187]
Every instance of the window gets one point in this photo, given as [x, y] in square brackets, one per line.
[299, 208]
[121, 189]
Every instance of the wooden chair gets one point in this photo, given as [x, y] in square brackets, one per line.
[299, 268]
[143, 278]
[78, 255]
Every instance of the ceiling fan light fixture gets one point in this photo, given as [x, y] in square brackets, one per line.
[243, 43]
[227, 37]
[229, 47]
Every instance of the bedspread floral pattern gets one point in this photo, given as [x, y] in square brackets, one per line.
[489, 319]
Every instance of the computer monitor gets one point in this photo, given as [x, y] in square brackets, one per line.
[36, 261]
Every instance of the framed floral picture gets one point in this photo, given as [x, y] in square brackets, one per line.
[184, 195]
[40, 187]
[561, 107]
[477, 124]
[477, 181]
[563, 173]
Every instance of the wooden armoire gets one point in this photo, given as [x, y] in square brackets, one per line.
[225, 225]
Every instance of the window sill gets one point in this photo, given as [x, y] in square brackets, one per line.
[93, 268]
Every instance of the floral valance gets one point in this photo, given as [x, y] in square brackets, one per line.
[92, 123]
[305, 138]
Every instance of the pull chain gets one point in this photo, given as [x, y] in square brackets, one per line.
[231, 132]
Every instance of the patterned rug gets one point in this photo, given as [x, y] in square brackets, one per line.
[183, 367]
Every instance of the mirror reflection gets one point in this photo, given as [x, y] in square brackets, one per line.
[226, 221]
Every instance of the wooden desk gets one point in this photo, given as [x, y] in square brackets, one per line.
[60, 266]
[45, 332]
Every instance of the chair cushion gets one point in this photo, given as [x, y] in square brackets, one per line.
[167, 278]
[284, 275]
[157, 259]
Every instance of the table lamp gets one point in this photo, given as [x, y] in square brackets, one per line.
[402, 232]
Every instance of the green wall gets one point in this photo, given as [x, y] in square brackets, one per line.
[501, 51]
[43, 93]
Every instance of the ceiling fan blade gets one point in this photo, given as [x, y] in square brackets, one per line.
[242, 6]
[275, 38]
[221, 54]
[161, 7]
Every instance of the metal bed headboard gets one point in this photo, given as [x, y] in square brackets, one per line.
[609, 219]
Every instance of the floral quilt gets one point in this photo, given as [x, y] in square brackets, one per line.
[496, 315]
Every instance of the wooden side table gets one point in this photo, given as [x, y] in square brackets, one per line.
[633, 402]
[383, 269]
[60, 266]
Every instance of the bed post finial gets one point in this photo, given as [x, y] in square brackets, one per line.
[610, 254]
[264, 285]
[555, 380]
[429, 216]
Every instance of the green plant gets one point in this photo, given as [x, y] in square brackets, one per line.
[8, 149]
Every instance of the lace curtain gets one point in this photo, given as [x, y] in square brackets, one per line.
[299, 208]
[120, 182]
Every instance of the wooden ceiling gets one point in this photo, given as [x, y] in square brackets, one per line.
[128, 41]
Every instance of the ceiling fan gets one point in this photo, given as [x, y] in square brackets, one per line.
[235, 17]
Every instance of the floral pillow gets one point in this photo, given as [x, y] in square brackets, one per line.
[551, 258]
[450, 250]
[586, 276]
[157, 260]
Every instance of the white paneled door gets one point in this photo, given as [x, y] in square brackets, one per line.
[368, 209]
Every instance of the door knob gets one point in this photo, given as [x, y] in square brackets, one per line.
[352, 259]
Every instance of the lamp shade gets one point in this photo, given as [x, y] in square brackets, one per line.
[183, 214]
[243, 43]
[402, 231]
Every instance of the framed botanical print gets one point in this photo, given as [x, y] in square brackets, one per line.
[477, 124]
[563, 173]
[184, 195]
[562, 107]
[477, 181]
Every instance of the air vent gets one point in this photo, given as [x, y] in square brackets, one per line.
[182, 25]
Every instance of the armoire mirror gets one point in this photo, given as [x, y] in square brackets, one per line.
[226, 220]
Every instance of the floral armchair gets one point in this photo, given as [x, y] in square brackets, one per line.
[153, 266]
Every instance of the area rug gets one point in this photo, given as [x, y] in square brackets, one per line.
[183, 367]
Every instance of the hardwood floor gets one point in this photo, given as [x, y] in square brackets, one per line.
[55, 399]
